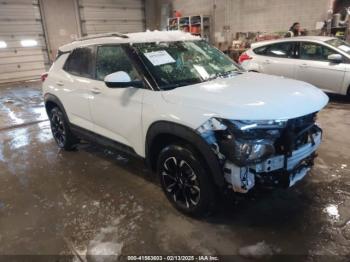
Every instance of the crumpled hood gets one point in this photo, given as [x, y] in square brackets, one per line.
[250, 96]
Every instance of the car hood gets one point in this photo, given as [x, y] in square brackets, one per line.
[250, 96]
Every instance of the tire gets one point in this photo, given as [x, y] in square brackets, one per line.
[185, 181]
[60, 130]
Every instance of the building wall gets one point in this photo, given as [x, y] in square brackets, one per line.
[61, 23]
[256, 15]
[23, 53]
[65, 20]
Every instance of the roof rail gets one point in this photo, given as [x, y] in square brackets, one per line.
[112, 34]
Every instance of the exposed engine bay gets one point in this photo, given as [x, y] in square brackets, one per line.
[274, 153]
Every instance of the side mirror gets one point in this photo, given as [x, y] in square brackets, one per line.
[121, 79]
[335, 58]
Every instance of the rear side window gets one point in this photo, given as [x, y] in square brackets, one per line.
[260, 50]
[282, 50]
[80, 62]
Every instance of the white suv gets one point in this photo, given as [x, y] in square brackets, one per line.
[201, 123]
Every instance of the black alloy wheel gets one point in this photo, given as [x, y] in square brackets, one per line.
[60, 130]
[185, 181]
[181, 182]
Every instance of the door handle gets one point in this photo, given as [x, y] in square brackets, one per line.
[303, 65]
[267, 62]
[95, 90]
[59, 83]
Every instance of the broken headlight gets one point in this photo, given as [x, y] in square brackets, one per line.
[242, 142]
[258, 124]
[254, 140]
[252, 151]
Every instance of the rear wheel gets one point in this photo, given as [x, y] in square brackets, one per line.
[60, 130]
[185, 181]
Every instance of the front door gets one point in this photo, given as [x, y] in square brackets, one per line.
[313, 67]
[116, 112]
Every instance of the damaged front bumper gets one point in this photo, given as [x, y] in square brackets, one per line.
[275, 153]
[278, 170]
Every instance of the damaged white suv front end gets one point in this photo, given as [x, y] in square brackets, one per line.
[269, 153]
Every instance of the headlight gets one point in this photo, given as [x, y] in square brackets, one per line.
[254, 140]
[259, 124]
[242, 142]
[252, 151]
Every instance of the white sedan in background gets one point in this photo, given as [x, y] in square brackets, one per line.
[321, 61]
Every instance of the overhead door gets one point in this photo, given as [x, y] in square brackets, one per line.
[104, 16]
[22, 44]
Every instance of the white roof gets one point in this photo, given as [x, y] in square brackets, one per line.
[289, 39]
[141, 37]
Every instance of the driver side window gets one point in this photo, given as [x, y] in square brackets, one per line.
[111, 59]
[316, 52]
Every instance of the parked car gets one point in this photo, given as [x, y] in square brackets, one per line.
[199, 121]
[321, 61]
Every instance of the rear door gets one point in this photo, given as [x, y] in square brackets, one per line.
[277, 59]
[313, 67]
[75, 83]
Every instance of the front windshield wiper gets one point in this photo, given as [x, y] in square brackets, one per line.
[169, 87]
[178, 84]
[224, 74]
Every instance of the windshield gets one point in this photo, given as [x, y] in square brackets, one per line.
[340, 44]
[175, 64]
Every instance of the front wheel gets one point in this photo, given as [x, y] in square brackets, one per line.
[60, 130]
[185, 181]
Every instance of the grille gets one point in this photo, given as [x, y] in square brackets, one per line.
[296, 134]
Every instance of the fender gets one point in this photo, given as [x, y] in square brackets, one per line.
[189, 135]
[52, 98]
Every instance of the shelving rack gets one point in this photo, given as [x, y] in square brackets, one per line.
[196, 25]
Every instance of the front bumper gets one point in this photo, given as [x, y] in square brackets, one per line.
[280, 170]
[289, 163]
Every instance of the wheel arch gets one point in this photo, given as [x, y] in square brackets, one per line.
[52, 101]
[163, 133]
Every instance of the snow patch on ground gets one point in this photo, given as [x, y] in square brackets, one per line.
[106, 243]
[105, 251]
[332, 211]
[258, 250]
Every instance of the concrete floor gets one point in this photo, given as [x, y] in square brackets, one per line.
[94, 201]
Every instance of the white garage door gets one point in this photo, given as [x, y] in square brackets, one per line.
[104, 16]
[22, 45]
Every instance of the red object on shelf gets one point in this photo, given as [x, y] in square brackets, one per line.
[195, 29]
[244, 57]
[177, 13]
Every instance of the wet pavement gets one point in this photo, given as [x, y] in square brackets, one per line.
[94, 201]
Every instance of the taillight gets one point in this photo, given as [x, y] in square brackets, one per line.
[244, 57]
[44, 76]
